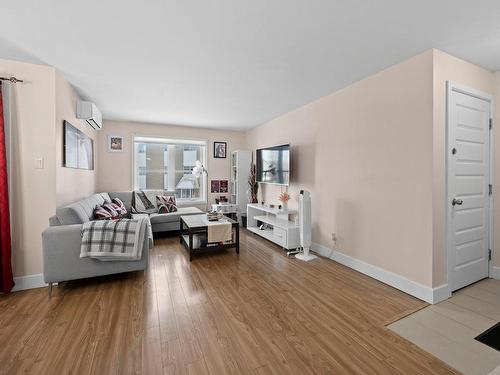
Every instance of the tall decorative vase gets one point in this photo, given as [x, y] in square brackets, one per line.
[254, 198]
[254, 186]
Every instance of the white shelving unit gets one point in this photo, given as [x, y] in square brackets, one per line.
[280, 229]
[240, 169]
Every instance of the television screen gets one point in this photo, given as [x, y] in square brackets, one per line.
[273, 165]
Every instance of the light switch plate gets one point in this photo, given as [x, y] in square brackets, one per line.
[39, 163]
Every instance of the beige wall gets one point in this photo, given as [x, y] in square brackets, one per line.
[33, 136]
[447, 67]
[72, 184]
[365, 152]
[38, 107]
[372, 155]
[344, 151]
[115, 169]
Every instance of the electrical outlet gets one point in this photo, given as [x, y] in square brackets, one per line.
[334, 238]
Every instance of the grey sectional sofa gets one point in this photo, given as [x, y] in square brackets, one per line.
[61, 241]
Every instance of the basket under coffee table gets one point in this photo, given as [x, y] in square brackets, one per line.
[194, 235]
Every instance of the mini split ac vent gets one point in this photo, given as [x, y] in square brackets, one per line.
[90, 113]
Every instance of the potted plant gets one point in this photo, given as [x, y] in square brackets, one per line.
[284, 198]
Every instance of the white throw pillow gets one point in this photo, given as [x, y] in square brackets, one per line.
[144, 201]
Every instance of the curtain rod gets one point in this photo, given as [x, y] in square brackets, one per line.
[11, 79]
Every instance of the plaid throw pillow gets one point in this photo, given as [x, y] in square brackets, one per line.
[100, 213]
[166, 204]
[122, 210]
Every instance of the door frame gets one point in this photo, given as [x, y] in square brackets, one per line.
[450, 88]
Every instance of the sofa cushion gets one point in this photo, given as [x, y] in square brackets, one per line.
[124, 196]
[54, 221]
[111, 208]
[101, 213]
[144, 201]
[166, 204]
[105, 196]
[174, 216]
[120, 206]
[80, 211]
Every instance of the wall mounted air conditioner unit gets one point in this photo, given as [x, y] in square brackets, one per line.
[90, 113]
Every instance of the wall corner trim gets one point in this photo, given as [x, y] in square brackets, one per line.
[28, 282]
[440, 293]
[425, 293]
[495, 274]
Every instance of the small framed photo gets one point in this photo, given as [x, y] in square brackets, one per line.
[220, 150]
[214, 186]
[115, 143]
[223, 186]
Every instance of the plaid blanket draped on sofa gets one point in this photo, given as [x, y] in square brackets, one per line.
[112, 240]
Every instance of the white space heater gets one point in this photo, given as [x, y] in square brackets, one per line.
[305, 226]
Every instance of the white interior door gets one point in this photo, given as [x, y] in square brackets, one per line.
[468, 186]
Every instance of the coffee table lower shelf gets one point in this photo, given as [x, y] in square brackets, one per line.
[193, 238]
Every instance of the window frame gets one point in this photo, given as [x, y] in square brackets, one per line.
[141, 138]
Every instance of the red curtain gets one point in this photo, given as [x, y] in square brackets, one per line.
[6, 279]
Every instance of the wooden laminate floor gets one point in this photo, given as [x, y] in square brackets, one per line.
[259, 313]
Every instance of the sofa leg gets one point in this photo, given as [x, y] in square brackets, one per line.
[50, 290]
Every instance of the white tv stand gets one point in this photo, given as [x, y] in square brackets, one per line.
[280, 229]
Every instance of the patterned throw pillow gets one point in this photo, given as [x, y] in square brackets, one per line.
[122, 210]
[143, 202]
[166, 204]
[100, 213]
[111, 208]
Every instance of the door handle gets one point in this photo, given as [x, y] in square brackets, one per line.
[456, 202]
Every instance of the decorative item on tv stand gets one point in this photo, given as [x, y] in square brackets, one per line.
[253, 184]
[284, 198]
[305, 226]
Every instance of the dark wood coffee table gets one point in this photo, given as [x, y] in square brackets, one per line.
[194, 235]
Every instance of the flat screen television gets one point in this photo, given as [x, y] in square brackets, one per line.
[273, 165]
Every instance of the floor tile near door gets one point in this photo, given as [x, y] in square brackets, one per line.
[447, 330]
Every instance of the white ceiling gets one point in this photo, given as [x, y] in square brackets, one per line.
[235, 64]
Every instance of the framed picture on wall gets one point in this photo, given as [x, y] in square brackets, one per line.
[220, 150]
[78, 148]
[223, 186]
[115, 143]
[214, 186]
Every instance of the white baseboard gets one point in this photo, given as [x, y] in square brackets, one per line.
[496, 273]
[430, 295]
[28, 282]
[440, 293]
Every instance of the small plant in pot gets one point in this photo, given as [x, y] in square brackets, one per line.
[284, 198]
[253, 184]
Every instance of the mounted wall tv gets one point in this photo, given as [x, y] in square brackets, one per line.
[273, 165]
